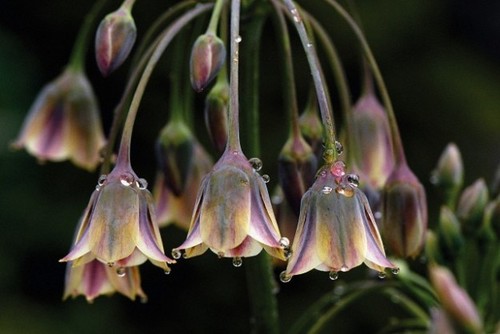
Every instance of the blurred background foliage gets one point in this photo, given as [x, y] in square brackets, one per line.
[440, 60]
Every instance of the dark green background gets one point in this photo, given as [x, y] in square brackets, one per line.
[440, 60]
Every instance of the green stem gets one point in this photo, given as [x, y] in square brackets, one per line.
[128, 4]
[399, 154]
[289, 88]
[330, 153]
[170, 33]
[177, 61]
[77, 58]
[214, 19]
[408, 304]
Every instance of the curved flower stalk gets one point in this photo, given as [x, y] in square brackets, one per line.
[336, 230]
[233, 215]
[178, 209]
[63, 122]
[119, 225]
[96, 278]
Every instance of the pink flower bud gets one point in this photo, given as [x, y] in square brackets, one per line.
[207, 57]
[449, 173]
[114, 40]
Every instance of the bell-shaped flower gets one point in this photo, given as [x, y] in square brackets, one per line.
[63, 122]
[115, 38]
[207, 57]
[336, 230]
[178, 209]
[119, 225]
[95, 278]
[233, 215]
[404, 213]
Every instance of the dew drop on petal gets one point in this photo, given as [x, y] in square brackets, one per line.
[102, 179]
[220, 255]
[266, 178]
[381, 275]
[97, 187]
[344, 268]
[284, 242]
[395, 271]
[333, 275]
[176, 254]
[237, 261]
[142, 184]
[284, 277]
[167, 272]
[110, 264]
[326, 190]
[256, 164]
[339, 147]
[126, 179]
[288, 253]
[353, 180]
[121, 272]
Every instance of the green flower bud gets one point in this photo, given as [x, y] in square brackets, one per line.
[449, 173]
[207, 57]
[311, 126]
[175, 152]
[114, 39]
[216, 117]
[450, 236]
[471, 205]
[491, 221]
[432, 251]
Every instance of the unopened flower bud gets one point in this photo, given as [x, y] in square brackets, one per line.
[297, 166]
[114, 39]
[174, 153]
[471, 205]
[449, 173]
[216, 116]
[371, 145]
[432, 251]
[404, 217]
[491, 221]
[207, 57]
[455, 301]
[450, 237]
[311, 127]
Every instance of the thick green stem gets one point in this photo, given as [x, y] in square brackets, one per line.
[170, 33]
[330, 153]
[80, 48]
[399, 154]
[178, 61]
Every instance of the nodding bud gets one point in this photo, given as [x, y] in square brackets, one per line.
[404, 217]
[175, 154]
[450, 237]
[297, 165]
[455, 301]
[449, 173]
[216, 118]
[491, 221]
[471, 205]
[114, 39]
[311, 127]
[207, 57]
[371, 143]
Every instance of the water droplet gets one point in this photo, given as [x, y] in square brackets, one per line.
[176, 254]
[127, 179]
[220, 255]
[377, 215]
[284, 277]
[238, 39]
[434, 179]
[235, 152]
[326, 190]
[144, 299]
[309, 45]
[344, 268]
[395, 271]
[353, 180]
[333, 275]
[110, 264]
[98, 187]
[121, 272]
[345, 191]
[167, 272]
[339, 147]
[142, 184]
[284, 242]
[288, 253]
[101, 180]
[256, 164]
[295, 15]
[266, 178]
[381, 275]
[237, 261]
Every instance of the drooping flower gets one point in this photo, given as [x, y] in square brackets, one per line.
[115, 38]
[207, 57]
[336, 230]
[63, 122]
[233, 216]
[178, 209]
[119, 225]
[95, 278]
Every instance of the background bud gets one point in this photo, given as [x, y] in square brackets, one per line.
[207, 57]
[311, 126]
[114, 39]
[175, 153]
[404, 217]
[450, 236]
[216, 105]
[449, 173]
[471, 205]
